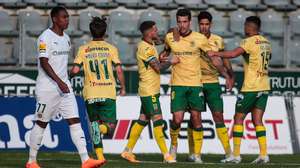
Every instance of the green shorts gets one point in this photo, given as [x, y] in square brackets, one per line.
[246, 101]
[184, 98]
[102, 109]
[213, 97]
[150, 105]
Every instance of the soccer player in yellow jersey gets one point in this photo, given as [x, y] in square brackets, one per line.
[256, 51]
[149, 87]
[211, 87]
[97, 58]
[186, 84]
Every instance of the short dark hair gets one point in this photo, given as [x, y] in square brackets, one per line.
[184, 12]
[98, 27]
[54, 11]
[254, 19]
[205, 15]
[146, 25]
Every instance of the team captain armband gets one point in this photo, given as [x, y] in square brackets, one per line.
[42, 47]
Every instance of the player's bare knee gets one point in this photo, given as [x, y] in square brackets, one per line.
[72, 121]
[239, 118]
[218, 117]
[257, 122]
[157, 117]
[42, 124]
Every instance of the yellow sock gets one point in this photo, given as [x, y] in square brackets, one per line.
[99, 153]
[198, 140]
[237, 138]
[262, 140]
[103, 128]
[223, 137]
[159, 136]
[135, 133]
[190, 139]
[174, 132]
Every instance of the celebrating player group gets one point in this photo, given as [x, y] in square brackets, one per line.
[196, 60]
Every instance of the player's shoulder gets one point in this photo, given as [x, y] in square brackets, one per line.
[197, 35]
[45, 34]
[110, 46]
[169, 36]
[216, 37]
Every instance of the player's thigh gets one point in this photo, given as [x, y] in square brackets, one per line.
[150, 106]
[262, 99]
[68, 106]
[213, 96]
[47, 104]
[245, 102]
[195, 98]
[108, 111]
[178, 98]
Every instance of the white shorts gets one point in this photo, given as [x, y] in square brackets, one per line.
[49, 104]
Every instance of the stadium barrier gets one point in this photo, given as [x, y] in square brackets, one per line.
[16, 120]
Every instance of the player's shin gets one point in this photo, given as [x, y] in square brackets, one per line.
[78, 138]
[262, 141]
[190, 138]
[223, 137]
[159, 136]
[135, 133]
[36, 137]
[237, 138]
[174, 132]
[97, 140]
[198, 140]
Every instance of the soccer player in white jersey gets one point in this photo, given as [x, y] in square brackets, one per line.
[53, 89]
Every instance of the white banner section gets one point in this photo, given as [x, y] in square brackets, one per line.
[275, 120]
[296, 102]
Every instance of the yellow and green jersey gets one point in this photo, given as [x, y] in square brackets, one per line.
[97, 59]
[257, 55]
[188, 49]
[149, 80]
[209, 72]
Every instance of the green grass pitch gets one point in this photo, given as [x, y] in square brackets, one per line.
[15, 159]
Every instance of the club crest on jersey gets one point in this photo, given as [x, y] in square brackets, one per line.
[192, 44]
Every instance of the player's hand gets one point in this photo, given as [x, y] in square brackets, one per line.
[175, 60]
[163, 56]
[122, 92]
[63, 87]
[229, 83]
[211, 53]
[176, 34]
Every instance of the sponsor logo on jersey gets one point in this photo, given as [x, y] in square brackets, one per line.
[57, 53]
[42, 47]
[90, 49]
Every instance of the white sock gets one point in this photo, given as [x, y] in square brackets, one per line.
[36, 137]
[79, 141]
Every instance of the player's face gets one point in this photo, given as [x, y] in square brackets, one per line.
[204, 26]
[153, 33]
[183, 24]
[250, 28]
[62, 19]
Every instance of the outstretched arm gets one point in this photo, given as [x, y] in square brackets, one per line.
[227, 54]
[158, 66]
[218, 63]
